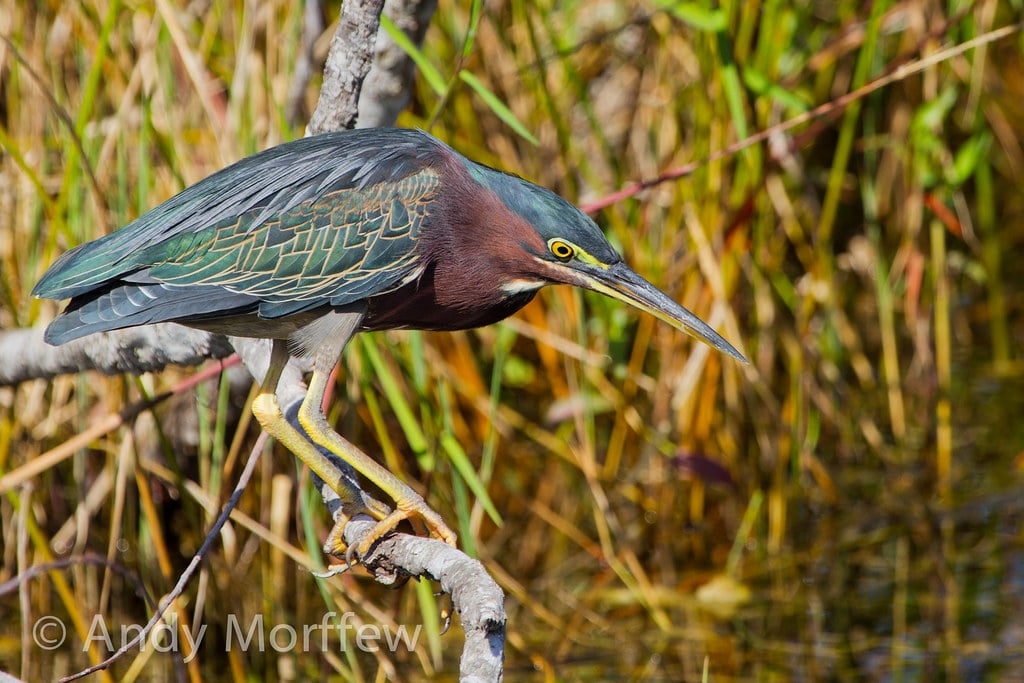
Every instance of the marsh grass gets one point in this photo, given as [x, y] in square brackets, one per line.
[846, 506]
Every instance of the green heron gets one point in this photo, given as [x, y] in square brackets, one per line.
[317, 239]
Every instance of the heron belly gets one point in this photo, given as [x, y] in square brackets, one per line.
[415, 307]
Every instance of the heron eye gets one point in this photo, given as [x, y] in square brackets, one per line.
[562, 251]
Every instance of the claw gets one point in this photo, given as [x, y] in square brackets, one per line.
[446, 612]
[350, 557]
[334, 570]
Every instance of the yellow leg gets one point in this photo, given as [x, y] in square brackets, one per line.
[410, 505]
[268, 412]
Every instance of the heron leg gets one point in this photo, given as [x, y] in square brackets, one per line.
[268, 412]
[325, 339]
[409, 504]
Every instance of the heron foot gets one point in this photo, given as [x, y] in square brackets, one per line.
[335, 543]
[415, 510]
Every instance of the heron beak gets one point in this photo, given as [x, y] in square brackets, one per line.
[621, 282]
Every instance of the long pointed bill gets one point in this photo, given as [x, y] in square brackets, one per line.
[622, 283]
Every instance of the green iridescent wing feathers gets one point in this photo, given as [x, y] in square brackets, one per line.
[336, 249]
[323, 220]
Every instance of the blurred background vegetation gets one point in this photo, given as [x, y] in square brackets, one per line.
[846, 507]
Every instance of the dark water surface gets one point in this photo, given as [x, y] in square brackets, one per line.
[891, 583]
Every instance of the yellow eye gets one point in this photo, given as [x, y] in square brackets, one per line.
[563, 251]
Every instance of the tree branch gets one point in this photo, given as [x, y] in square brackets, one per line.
[348, 62]
[135, 350]
[475, 596]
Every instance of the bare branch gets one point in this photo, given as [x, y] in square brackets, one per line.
[348, 62]
[476, 596]
[135, 351]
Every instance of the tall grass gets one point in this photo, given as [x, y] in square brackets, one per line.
[843, 506]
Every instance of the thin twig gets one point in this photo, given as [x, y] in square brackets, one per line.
[186, 575]
[824, 110]
[89, 559]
